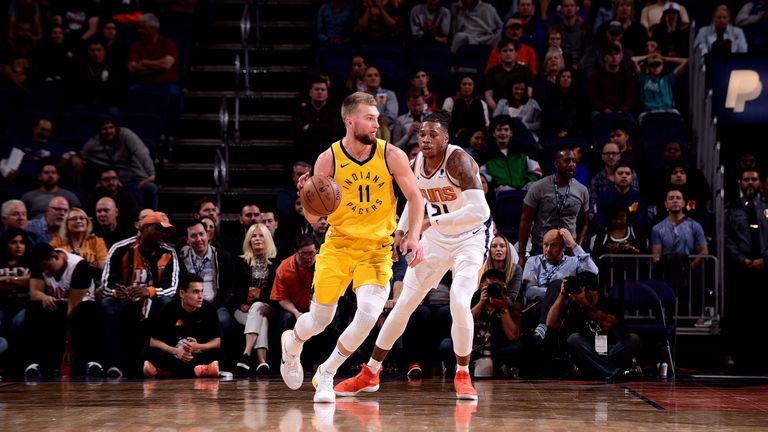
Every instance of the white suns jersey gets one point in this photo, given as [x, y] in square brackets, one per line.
[441, 192]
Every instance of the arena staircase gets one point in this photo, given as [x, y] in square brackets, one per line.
[219, 86]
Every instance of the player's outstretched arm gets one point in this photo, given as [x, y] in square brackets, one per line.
[401, 170]
[323, 166]
[475, 210]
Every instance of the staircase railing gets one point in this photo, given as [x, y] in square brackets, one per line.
[221, 159]
[704, 127]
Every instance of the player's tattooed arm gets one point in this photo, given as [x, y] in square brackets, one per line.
[463, 168]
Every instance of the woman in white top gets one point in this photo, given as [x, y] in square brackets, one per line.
[521, 105]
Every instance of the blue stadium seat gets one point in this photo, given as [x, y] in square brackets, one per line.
[659, 128]
[602, 123]
[76, 127]
[10, 103]
[472, 58]
[47, 100]
[435, 59]
[658, 298]
[334, 59]
[390, 61]
[141, 101]
[509, 209]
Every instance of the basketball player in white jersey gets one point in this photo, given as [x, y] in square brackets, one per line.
[456, 236]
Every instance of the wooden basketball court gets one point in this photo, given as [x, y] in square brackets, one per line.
[267, 405]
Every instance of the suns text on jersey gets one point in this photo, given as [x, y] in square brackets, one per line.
[439, 194]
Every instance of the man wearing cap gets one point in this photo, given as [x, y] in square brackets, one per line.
[61, 311]
[513, 30]
[634, 34]
[141, 275]
[656, 85]
[612, 33]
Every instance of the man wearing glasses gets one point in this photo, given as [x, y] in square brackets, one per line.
[46, 227]
[604, 180]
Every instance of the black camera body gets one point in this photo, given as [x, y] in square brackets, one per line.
[495, 290]
[577, 282]
[572, 285]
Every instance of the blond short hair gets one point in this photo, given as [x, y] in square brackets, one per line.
[353, 101]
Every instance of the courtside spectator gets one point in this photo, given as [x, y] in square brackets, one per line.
[185, 337]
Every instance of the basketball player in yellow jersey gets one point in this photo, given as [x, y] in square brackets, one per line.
[358, 244]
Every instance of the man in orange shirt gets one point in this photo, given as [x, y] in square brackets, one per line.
[293, 290]
[293, 281]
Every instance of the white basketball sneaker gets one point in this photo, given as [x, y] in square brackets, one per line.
[323, 383]
[290, 365]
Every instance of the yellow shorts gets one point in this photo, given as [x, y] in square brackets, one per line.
[344, 260]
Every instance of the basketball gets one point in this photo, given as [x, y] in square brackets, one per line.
[320, 195]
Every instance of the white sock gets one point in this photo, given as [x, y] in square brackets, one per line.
[374, 365]
[292, 345]
[460, 368]
[334, 361]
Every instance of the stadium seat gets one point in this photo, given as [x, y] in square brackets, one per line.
[436, 60]
[77, 127]
[657, 129]
[47, 100]
[140, 101]
[602, 123]
[390, 61]
[472, 58]
[650, 308]
[334, 59]
[509, 209]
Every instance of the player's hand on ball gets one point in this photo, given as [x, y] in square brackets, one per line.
[302, 180]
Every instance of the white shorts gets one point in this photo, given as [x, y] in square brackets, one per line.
[443, 253]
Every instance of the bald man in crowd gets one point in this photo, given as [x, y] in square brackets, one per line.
[108, 224]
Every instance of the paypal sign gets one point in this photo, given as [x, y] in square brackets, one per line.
[740, 90]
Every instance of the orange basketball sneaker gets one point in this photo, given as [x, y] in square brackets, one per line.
[210, 370]
[463, 385]
[365, 381]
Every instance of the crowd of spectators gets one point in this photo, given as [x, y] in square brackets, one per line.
[88, 84]
[554, 109]
[562, 101]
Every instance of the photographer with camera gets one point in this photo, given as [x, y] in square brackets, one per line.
[497, 326]
[544, 272]
[593, 327]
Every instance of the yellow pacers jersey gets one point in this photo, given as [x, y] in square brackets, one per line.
[368, 204]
